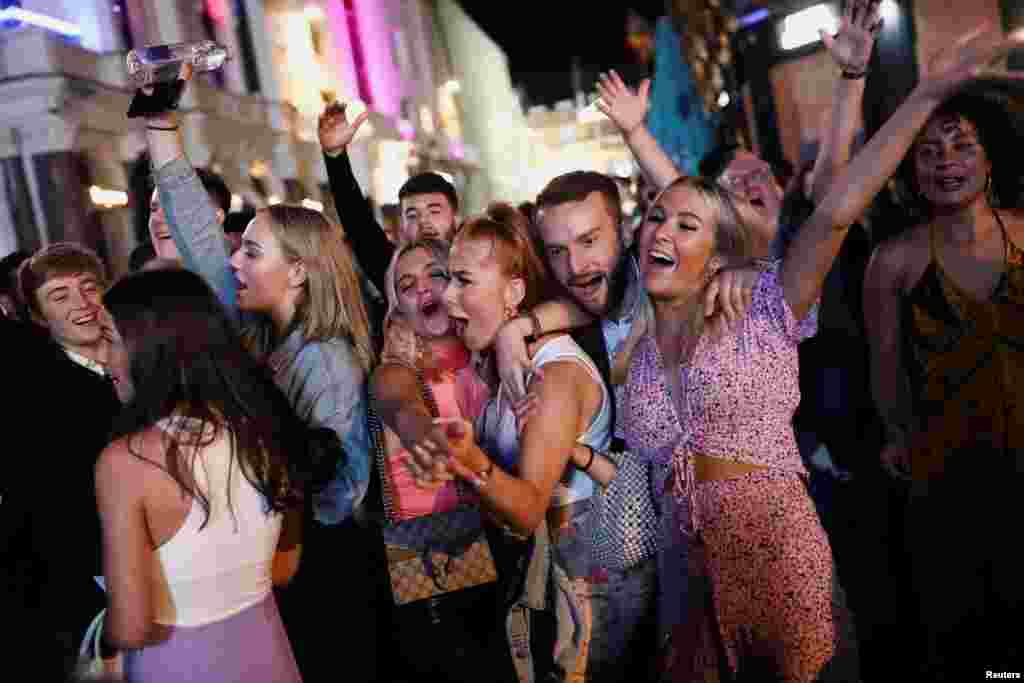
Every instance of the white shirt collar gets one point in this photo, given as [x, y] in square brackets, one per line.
[86, 362]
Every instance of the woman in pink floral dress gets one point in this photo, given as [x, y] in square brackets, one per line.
[716, 404]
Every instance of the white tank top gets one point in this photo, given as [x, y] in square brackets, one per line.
[496, 427]
[207, 575]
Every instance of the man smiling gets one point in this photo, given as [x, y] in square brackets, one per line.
[73, 404]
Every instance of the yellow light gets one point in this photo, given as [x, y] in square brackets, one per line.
[313, 204]
[258, 169]
[106, 198]
[801, 28]
[452, 86]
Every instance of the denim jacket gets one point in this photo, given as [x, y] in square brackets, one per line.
[322, 380]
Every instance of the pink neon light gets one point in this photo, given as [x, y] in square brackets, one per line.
[457, 150]
[376, 34]
[342, 52]
[217, 10]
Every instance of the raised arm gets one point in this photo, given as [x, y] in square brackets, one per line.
[851, 50]
[627, 109]
[890, 385]
[370, 244]
[817, 243]
[190, 213]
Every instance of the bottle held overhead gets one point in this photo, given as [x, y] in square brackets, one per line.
[162, 63]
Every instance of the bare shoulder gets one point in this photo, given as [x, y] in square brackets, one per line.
[902, 259]
[1013, 219]
[133, 455]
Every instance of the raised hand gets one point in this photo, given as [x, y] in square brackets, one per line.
[853, 43]
[334, 128]
[974, 55]
[627, 109]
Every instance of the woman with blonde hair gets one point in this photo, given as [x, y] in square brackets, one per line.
[293, 289]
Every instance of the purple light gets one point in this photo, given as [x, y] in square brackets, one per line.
[456, 150]
[406, 129]
[342, 47]
[755, 17]
[376, 35]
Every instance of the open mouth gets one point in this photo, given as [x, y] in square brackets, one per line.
[660, 259]
[588, 287]
[430, 308]
[951, 183]
[459, 326]
[85, 319]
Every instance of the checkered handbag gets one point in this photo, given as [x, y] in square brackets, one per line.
[627, 530]
[433, 554]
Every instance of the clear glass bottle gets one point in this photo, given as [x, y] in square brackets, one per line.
[162, 63]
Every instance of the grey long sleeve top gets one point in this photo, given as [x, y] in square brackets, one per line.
[322, 380]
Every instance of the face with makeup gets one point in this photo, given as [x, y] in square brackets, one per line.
[480, 293]
[951, 166]
[268, 281]
[420, 282]
[677, 244]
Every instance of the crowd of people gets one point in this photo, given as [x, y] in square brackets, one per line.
[750, 441]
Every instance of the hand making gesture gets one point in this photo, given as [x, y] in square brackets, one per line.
[853, 43]
[334, 129]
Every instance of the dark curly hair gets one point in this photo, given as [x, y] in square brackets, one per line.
[999, 134]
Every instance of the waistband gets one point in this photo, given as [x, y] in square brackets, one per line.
[693, 468]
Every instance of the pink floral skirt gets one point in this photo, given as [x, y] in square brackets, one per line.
[764, 599]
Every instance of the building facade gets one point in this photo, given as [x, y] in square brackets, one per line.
[67, 150]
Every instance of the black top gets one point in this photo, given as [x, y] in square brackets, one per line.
[372, 248]
[62, 421]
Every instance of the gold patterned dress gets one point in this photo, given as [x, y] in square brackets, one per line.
[965, 360]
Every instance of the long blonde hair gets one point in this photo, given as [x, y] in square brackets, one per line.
[332, 304]
[733, 246]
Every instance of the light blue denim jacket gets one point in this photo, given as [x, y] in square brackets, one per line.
[322, 380]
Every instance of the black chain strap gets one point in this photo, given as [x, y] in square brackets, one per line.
[376, 426]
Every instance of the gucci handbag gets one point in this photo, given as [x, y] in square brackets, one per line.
[432, 554]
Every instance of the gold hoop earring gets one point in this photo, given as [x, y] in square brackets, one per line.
[510, 311]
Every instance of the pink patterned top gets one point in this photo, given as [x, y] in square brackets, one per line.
[458, 391]
[740, 392]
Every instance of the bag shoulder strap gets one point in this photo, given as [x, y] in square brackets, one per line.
[376, 426]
